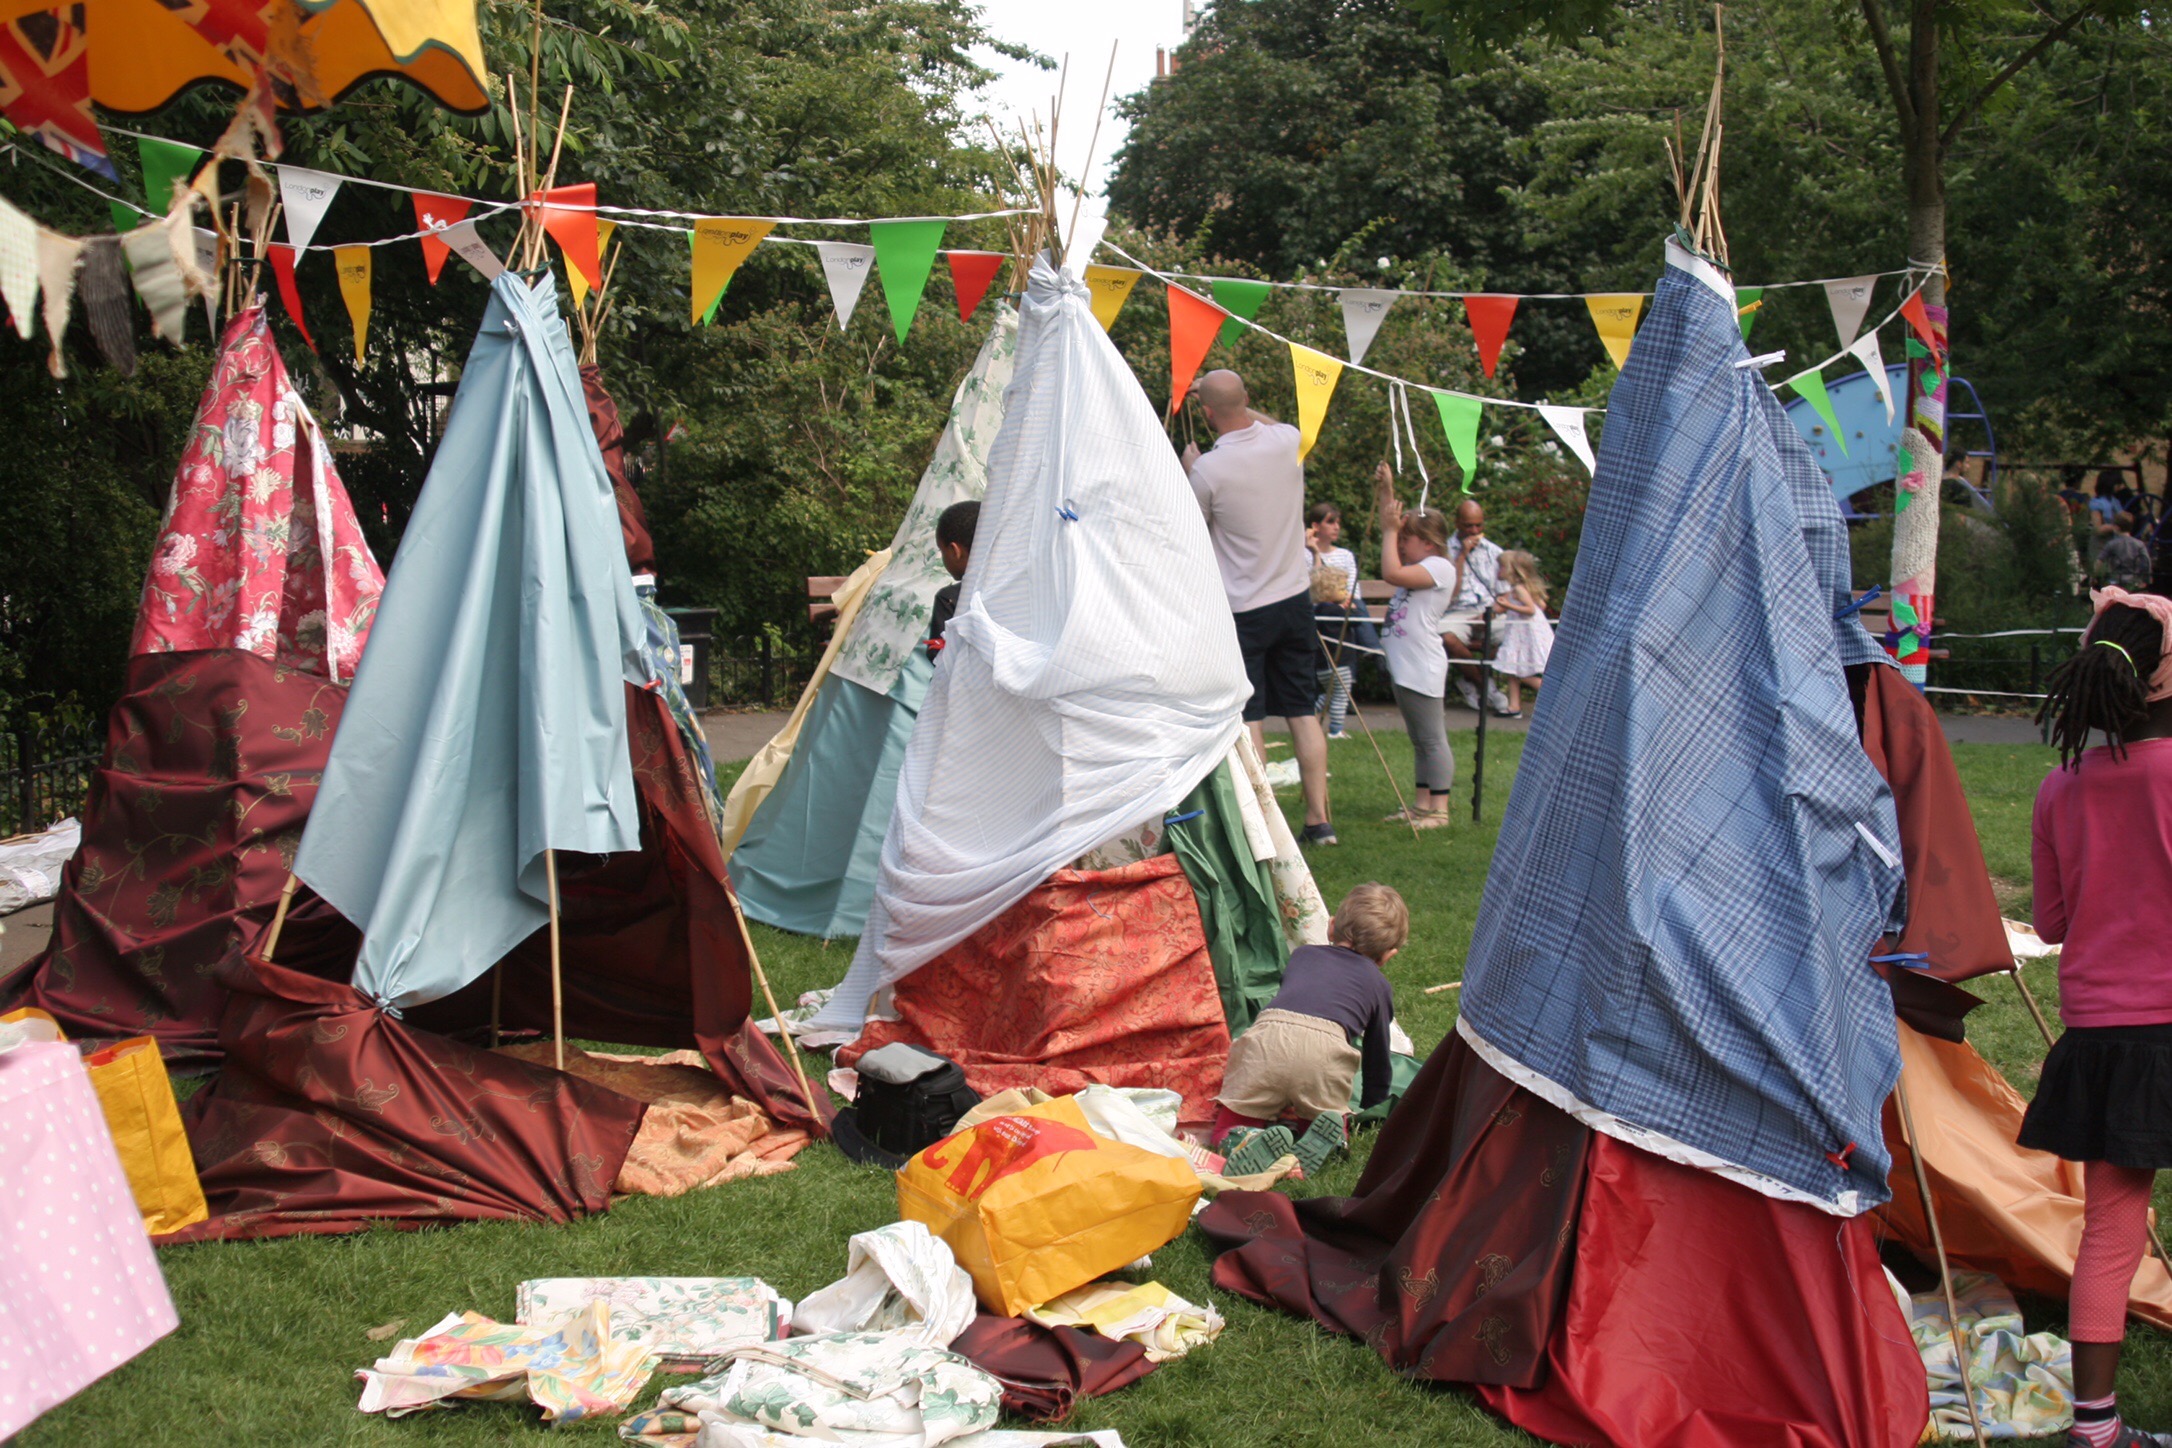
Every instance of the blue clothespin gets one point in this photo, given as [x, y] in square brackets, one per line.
[1067, 512]
[1184, 818]
[1906, 959]
[1857, 607]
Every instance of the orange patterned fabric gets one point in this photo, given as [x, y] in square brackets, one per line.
[1096, 976]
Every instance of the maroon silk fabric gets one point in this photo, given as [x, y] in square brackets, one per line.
[329, 1114]
[1045, 1371]
[212, 761]
[1953, 917]
[1453, 1256]
[1591, 1292]
[633, 520]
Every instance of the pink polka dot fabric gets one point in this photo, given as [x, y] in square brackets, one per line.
[81, 1288]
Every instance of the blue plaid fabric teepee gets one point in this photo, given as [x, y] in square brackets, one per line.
[1698, 858]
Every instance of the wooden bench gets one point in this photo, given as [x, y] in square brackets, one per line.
[819, 589]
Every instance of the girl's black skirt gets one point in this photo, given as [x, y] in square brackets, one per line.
[2106, 1095]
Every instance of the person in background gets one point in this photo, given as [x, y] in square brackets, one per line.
[2071, 494]
[2122, 558]
[1413, 557]
[1344, 628]
[1301, 1058]
[1251, 489]
[954, 528]
[2102, 849]
[1527, 639]
[1478, 560]
[2105, 505]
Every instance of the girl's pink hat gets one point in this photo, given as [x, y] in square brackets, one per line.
[2157, 606]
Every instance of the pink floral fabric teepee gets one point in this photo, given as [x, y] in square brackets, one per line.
[261, 550]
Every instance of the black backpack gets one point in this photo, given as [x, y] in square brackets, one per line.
[908, 1099]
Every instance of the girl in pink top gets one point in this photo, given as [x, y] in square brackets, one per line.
[2103, 865]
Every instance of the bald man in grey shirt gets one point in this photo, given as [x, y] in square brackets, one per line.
[1251, 488]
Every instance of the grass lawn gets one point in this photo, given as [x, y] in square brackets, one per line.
[271, 1332]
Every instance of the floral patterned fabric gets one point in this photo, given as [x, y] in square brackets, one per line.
[574, 1368]
[894, 619]
[685, 1321]
[1094, 976]
[261, 550]
[845, 1387]
[2023, 1381]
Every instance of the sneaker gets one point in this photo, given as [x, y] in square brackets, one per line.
[1248, 1154]
[1339, 734]
[1318, 835]
[2128, 1436]
[1328, 1136]
[1468, 693]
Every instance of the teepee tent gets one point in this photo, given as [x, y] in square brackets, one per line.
[260, 596]
[1667, 1081]
[1080, 880]
[808, 814]
[339, 1104]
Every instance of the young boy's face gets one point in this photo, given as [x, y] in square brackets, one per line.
[954, 557]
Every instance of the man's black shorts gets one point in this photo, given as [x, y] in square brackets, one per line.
[1279, 642]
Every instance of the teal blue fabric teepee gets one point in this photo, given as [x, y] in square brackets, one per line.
[807, 861]
[487, 722]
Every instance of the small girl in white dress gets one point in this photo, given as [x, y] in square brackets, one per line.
[1527, 639]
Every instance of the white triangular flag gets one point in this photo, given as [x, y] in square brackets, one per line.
[1865, 349]
[308, 195]
[58, 257]
[1568, 425]
[1850, 299]
[1092, 223]
[468, 244]
[18, 266]
[845, 266]
[1363, 310]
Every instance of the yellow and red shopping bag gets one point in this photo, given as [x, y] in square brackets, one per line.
[136, 1095]
[1034, 1204]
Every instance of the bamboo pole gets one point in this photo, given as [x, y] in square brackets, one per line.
[558, 990]
[1945, 1268]
[791, 1047]
[279, 919]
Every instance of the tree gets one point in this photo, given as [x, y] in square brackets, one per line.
[1979, 46]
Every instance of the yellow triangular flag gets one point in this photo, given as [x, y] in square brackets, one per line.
[1111, 286]
[576, 281]
[353, 264]
[1317, 374]
[721, 243]
[1615, 315]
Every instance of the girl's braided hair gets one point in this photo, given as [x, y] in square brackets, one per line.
[2103, 687]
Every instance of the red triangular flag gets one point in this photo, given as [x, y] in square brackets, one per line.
[282, 260]
[1193, 323]
[1489, 317]
[435, 213]
[971, 274]
[1920, 319]
[568, 214]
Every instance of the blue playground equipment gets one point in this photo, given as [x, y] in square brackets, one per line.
[1872, 442]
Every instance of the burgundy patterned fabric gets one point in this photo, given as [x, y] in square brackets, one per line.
[633, 520]
[1046, 1370]
[211, 763]
[330, 1114]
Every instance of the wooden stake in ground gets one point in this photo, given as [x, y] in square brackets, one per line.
[791, 1047]
[558, 991]
[1945, 1268]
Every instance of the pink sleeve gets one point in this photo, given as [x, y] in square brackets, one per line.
[2049, 906]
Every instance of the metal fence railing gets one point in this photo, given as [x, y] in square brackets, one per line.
[758, 673]
[45, 770]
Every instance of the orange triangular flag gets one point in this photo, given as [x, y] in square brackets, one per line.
[433, 213]
[568, 214]
[1920, 319]
[1489, 317]
[1193, 323]
[971, 274]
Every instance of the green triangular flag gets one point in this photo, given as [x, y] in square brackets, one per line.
[165, 162]
[1239, 298]
[125, 217]
[1810, 386]
[1747, 308]
[904, 255]
[708, 318]
[1459, 419]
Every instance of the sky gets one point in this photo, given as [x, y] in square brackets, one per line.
[1084, 31]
